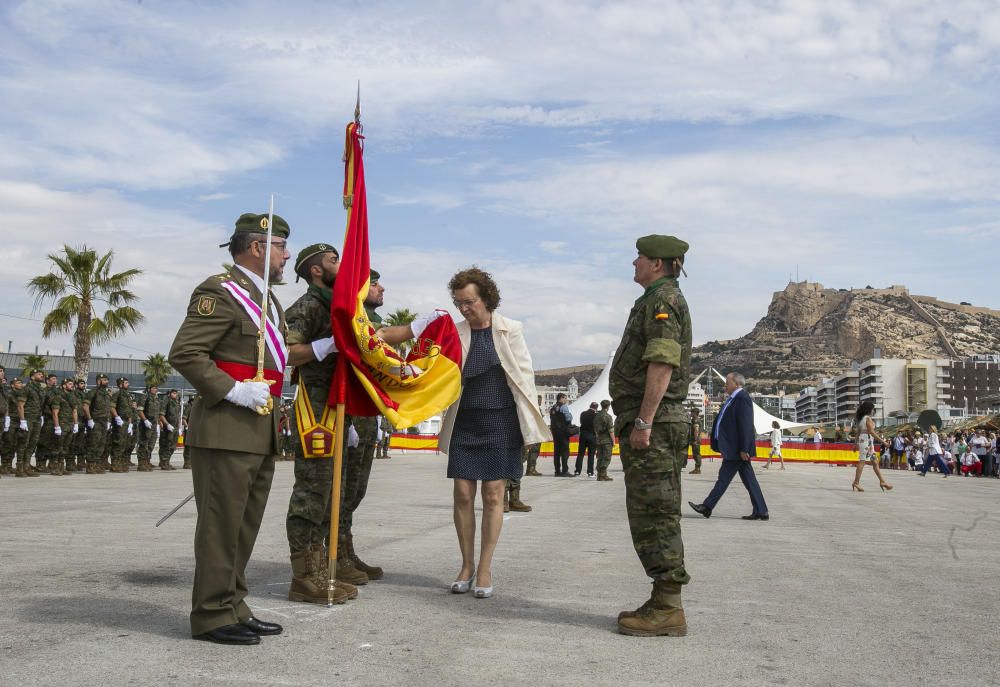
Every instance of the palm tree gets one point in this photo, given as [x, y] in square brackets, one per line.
[81, 280]
[33, 361]
[156, 368]
[399, 317]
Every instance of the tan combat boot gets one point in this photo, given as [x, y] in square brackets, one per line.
[55, 467]
[372, 571]
[7, 467]
[20, 472]
[304, 585]
[696, 471]
[92, 469]
[321, 572]
[187, 463]
[604, 477]
[661, 616]
[30, 471]
[145, 465]
[506, 499]
[346, 570]
[515, 501]
[41, 465]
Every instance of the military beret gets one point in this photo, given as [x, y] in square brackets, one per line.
[308, 252]
[375, 276]
[81, 380]
[16, 380]
[71, 380]
[33, 370]
[120, 380]
[249, 223]
[661, 246]
[171, 391]
[101, 375]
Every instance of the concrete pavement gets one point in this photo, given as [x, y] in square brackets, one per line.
[838, 588]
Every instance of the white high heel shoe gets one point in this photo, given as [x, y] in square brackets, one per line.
[483, 592]
[462, 586]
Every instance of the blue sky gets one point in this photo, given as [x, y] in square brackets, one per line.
[853, 142]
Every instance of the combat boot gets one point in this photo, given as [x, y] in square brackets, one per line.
[145, 465]
[372, 571]
[304, 585]
[321, 572]
[165, 464]
[532, 472]
[41, 465]
[346, 569]
[661, 616]
[6, 467]
[20, 472]
[93, 469]
[55, 467]
[30, 471]
[696, 471]
[604, 477]
[187, 463]
[515, 501]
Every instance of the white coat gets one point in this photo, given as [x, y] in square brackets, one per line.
[508, 338]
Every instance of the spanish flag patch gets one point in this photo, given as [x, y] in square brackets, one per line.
[662, 316]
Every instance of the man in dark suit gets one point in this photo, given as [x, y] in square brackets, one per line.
[733, 436]
[587, 441]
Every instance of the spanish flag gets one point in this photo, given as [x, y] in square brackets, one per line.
[371, 377]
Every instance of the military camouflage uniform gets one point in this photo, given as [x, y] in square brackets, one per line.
[27, 442]
[185, 414]
[168, 437]
[76, 448]
[121, 440]
[97, 403]
[8, 417]
[150, 408]
[658, 331]
[694, 440]
[604, 425]
[57, 402]
[382, 449]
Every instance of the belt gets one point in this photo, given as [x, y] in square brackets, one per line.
[241, 373]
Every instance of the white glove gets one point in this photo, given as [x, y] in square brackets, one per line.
[420, 324]
[251, 395]
[57, 430]
[90, 423]
[352, 437]
[170, 427]
[149, 425]
[128, 430]
[119, 421]
[23, 425]
[107, 426]
[41, 421]
[76, 427]
[6, 423]
[323, 347]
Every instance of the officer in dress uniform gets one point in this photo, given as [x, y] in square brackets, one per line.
[233, 446]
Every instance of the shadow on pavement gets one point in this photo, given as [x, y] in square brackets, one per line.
[111, 612]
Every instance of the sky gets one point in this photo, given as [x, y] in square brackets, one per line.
[848, 143]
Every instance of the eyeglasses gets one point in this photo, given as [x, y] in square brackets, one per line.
[280, 245]
[465, 304]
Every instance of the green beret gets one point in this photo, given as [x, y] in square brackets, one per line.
[375, 276]
[81, 380]
[120, 380]
[17, 380]
[661, 246]
[310, 251]
[68, 379]
[101, 375]
[32, 371]
[249, 223]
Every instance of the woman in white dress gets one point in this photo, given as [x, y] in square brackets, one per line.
[775, 446]
[866, 446]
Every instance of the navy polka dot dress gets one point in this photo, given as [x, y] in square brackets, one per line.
[486, 443]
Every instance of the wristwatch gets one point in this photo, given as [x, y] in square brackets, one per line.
[642, 424]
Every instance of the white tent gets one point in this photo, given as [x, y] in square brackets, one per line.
[599, 391]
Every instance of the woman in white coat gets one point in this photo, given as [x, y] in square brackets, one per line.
[495, 416]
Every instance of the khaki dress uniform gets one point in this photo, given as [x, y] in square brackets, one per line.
[232, 448]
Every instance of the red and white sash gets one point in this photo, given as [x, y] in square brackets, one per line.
[272, 336]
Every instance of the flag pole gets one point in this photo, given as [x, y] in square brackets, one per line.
[341, 376]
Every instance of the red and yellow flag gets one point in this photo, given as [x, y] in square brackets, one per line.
[371, 377]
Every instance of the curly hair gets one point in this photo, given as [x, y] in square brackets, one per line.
[485, 285]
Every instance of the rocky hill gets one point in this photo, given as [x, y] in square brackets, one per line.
[811, 331]
[585, 376]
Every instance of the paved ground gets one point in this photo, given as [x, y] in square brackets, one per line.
[839, 588]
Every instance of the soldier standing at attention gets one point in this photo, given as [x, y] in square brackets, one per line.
[19, 396]
[7, 412]
[97, 411]
[233, 446]
[311, 350]
[30, 421]
[604, 428]
[149, 421]
[648, 384]
[122, 429]
[382, 450]
[45, 435]
[60, 419]
[75, 456]
[695, 441]
[170, 420]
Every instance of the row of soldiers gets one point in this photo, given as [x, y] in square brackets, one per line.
[67, 428]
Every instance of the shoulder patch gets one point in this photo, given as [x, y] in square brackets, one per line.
[206, 305]
[662, 316]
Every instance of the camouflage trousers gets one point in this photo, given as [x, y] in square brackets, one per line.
[530, 455]
[78, 444]
[55, 445]
[695, 453]
[653, 498]
[604, 457]
[357, 469]
[308, 519]
[168, 444]
[27, 442]
[145, 441]
[97, 439]
[516, 483]
[122, 443]
[8, 441]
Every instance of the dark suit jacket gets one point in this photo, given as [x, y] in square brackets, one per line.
[736, 432]
[587, 424]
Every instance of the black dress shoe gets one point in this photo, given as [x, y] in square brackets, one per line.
[260, 627]
[230, 634]
[755, 516]
[699, 508]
